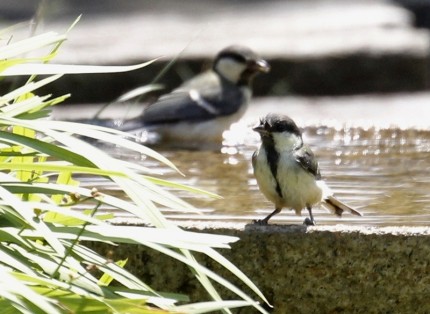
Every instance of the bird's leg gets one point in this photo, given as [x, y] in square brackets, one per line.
[309, 221]
[266, 220]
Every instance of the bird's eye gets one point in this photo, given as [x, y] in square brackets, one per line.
[267, 125]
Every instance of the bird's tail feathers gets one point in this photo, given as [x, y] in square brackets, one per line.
[337, 207]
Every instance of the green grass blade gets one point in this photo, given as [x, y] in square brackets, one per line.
[56, 151]
[16, 288]
[51, 69]
[27, 88]
[30, 44]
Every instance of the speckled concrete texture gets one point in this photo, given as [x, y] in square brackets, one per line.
[322, 269]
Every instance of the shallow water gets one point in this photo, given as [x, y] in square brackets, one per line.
[381, 171]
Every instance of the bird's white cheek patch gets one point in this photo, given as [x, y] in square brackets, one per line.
[286, 142]
[230, 69]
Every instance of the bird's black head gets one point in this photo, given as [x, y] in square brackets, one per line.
[239, 64]
[277, 123]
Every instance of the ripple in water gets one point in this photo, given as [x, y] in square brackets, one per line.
[382, 172]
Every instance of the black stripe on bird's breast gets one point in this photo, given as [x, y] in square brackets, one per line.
[273, 158]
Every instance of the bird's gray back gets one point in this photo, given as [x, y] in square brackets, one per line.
[201, 98]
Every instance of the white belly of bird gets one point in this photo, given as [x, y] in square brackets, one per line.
[205, 131]
[298, 187]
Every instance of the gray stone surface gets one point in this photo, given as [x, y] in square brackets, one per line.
[322, 269]
[315, 47]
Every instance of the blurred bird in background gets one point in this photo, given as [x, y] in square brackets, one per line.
[202, 108]
[287, 171]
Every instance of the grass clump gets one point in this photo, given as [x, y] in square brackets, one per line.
[43, 264]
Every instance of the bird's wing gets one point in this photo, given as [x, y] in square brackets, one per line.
[201, 98]
[254, 159]
[306, 159]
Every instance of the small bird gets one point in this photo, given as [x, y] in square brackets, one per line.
[202, 108]
[287, 171]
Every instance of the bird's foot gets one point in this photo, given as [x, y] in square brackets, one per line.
[260, 222]
[309, 222]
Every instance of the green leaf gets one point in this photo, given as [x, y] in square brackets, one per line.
[56, 151]
[26, 45]
[106, 279]
[27, 88]
[16, 292]
[51, 69]
[52, 166]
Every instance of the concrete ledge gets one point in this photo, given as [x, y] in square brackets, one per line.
[322, 269]
[314, 47]
[348, 74]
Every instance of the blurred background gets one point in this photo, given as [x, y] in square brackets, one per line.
[354, 74]
[315, 47]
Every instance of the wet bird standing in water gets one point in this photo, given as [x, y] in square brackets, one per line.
[287, 171]
[202, 108]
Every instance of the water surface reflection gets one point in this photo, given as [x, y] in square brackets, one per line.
[380, 169]
[382, 172]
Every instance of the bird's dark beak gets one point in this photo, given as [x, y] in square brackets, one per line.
[259, 128]
[261, 65]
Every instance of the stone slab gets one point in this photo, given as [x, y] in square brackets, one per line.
[314, 47]
[321, 269]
